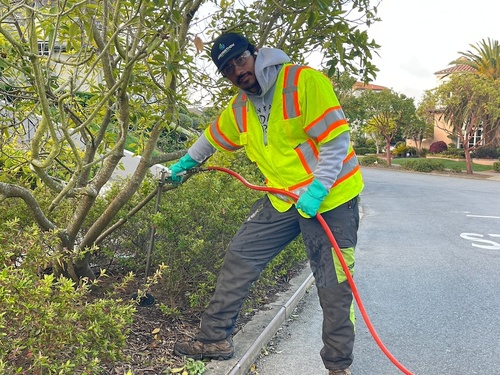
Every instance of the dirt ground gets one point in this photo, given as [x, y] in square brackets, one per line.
[149, 349]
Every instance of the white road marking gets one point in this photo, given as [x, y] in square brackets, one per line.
[485, 217]
[478, 240]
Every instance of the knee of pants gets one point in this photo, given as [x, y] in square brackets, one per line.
[328, 271]
[348, 257]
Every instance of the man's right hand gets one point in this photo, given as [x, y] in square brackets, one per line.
[183, 165]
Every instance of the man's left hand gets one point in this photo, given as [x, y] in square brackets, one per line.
[310, 201]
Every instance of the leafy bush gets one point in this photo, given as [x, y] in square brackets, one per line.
[365, 150]
[371, 160]
[457, 153]
[48, 326]
[496, 166]
[424, 165]
[486, 153]
[185, 121]
[438, 147]
[400, 149]
[456, 168]
[403, 150]
[423, 152]
[193, 227]
[190, 367]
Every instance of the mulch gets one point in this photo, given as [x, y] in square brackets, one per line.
[149, 346]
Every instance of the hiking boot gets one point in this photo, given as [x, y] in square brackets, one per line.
[195, 349]
[340, 372]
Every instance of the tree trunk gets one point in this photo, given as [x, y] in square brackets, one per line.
[388, 152]
[468, 160]
[82, 268]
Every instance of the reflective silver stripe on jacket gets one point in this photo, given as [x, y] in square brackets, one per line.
[319, 128]
[350, 165]
[308, 155]
[220, 138]
[239, 111]
[290, 110]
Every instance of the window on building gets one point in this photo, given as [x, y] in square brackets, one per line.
[43, 48]
[475, 139]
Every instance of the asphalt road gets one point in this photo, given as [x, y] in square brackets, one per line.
[428, 273]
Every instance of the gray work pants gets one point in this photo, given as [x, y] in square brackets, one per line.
[262, 236]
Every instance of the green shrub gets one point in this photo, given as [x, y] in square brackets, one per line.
[486, 153]
[372, 160]
[191, 367]
[496, 166]
[194, 225]
[456, 168]
[365, 150]
[50, 327]
[424, 165]
[400, 149]
[423, 152]
[457, 153]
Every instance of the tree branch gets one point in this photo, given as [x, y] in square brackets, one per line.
[14, 191]
[132, 212]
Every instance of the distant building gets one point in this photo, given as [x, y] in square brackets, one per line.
[359, 88]
[440, 134]
[443, 76]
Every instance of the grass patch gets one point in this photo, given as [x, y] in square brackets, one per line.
[449, 164]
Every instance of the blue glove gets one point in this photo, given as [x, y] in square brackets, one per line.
[183, 165]
[310, 201]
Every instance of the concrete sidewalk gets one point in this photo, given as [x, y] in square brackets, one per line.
[490, 175]
[258, 332]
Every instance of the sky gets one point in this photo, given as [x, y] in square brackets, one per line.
[421, 37]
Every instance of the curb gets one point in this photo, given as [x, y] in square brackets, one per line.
[254, 335]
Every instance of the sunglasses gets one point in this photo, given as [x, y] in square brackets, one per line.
[238, 61]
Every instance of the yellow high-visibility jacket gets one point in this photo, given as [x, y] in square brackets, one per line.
[305, 114]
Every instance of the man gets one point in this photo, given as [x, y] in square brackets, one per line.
[288, 119]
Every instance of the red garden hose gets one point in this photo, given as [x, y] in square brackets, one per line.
[339, 255]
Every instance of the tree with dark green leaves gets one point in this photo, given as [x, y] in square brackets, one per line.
[420, 128]
[387, 115]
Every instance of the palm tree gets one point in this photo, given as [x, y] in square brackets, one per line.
[485, 59]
